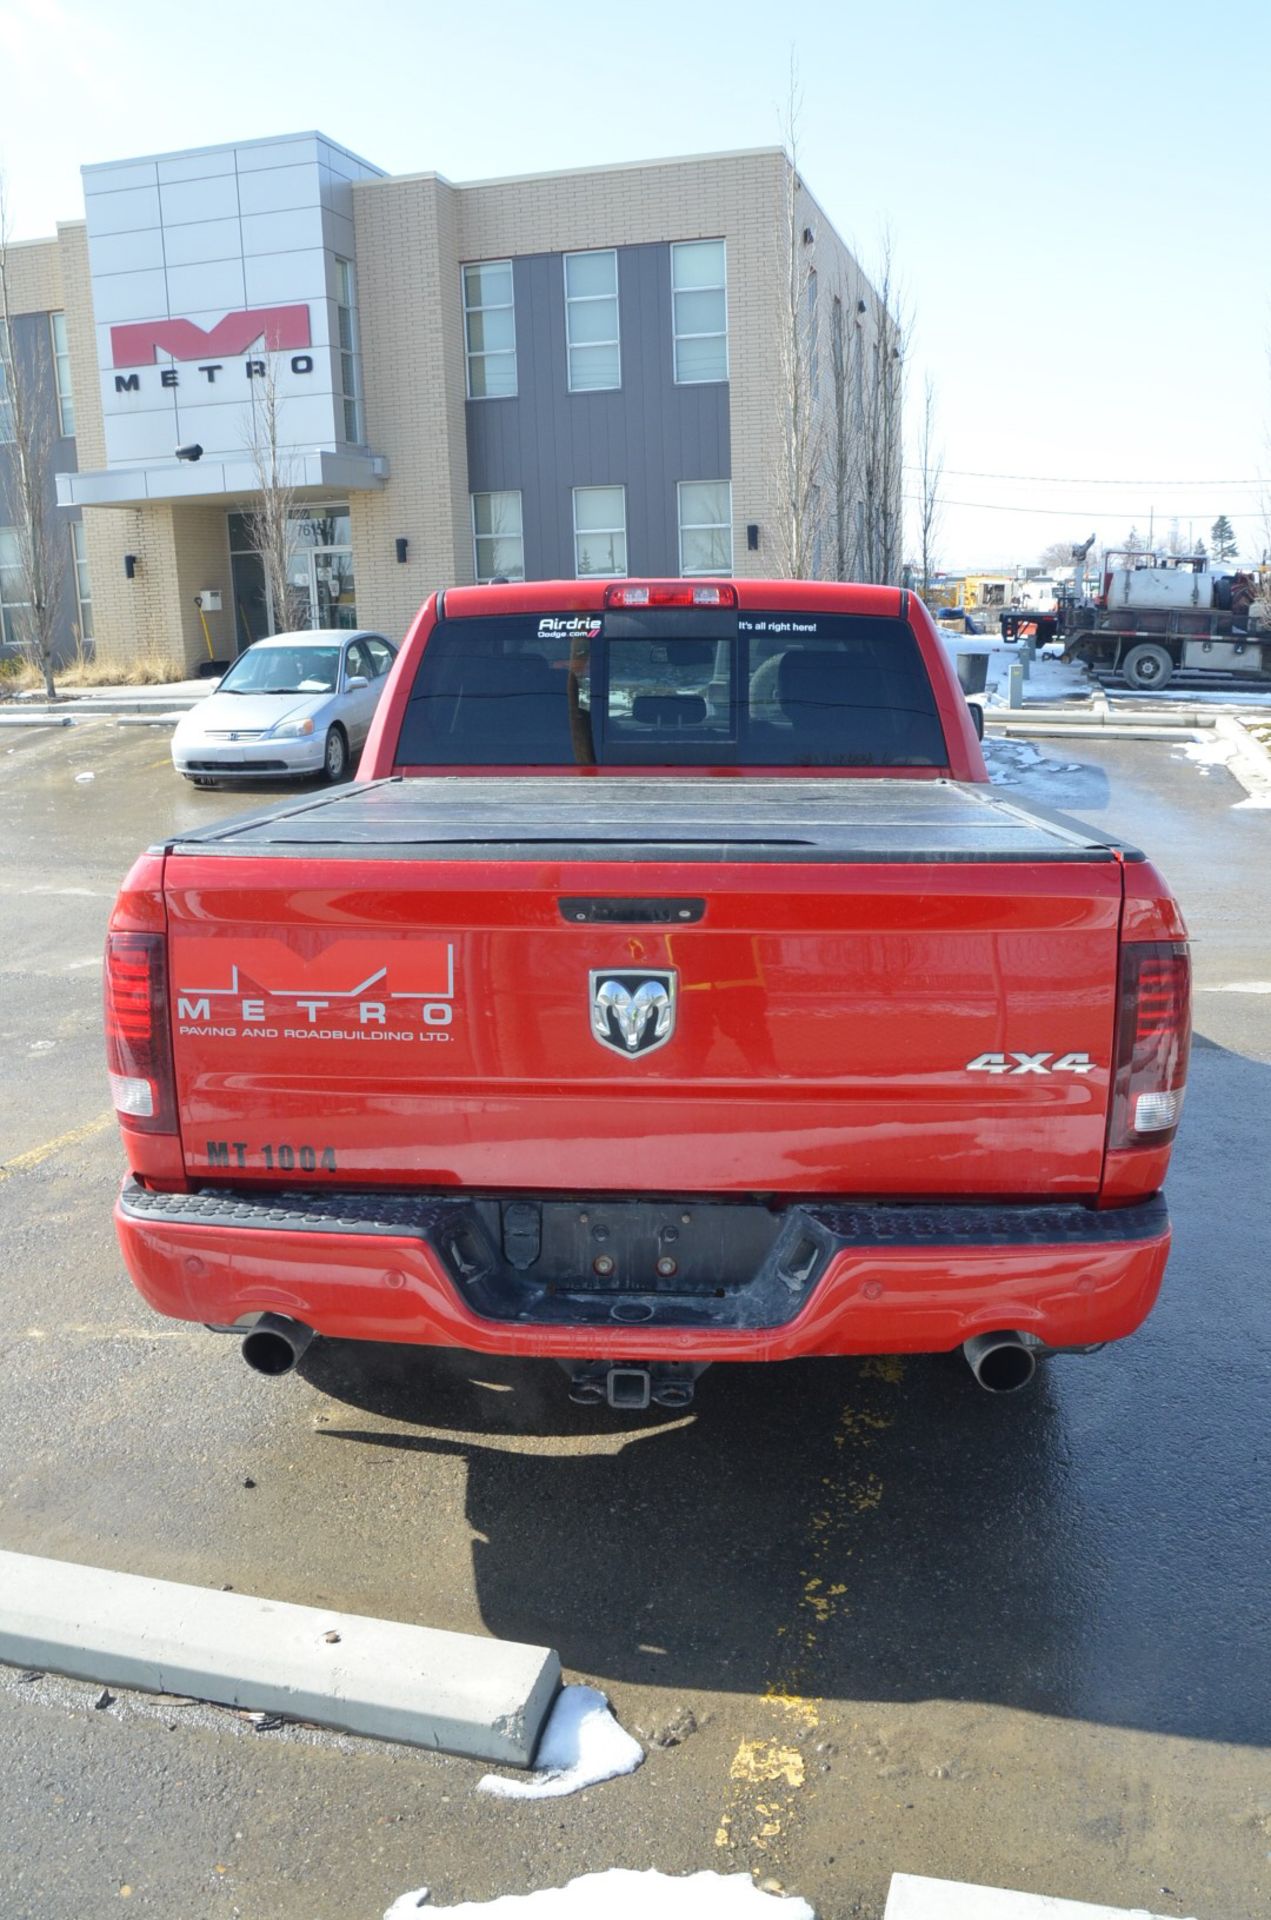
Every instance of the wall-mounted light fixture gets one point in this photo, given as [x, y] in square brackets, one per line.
[194, 452]
[752, 537]
[401, 543]
[130, 566]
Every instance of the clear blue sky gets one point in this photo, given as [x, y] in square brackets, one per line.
[1077, 194]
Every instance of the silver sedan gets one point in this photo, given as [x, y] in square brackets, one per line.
[296, 703]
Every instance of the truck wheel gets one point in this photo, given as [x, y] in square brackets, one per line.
[1147, 666]
[335, 761]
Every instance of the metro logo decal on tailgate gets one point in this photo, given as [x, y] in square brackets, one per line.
[264, 990]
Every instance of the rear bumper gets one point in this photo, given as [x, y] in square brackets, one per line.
[838, 1279]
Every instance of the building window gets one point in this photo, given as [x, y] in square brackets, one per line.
[490, 330]
[13, 600]
[498, 543]
[699, 302]
[706, 526]
[83, 585]
[600, 531]
[62, 373]
[346, 325]
[591, 321]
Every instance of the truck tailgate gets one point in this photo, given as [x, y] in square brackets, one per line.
[858, 987]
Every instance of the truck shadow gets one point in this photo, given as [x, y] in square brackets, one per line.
[883, 1530]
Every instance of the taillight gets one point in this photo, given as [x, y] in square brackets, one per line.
[671, 593]
[1153, 1037]
[138, 1034]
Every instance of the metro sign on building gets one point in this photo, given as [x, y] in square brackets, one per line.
[273, 329]
[210, 269]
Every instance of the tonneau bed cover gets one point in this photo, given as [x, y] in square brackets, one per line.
[823, 820]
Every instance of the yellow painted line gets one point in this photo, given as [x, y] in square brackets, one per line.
[771, 1772]
[23, 1162]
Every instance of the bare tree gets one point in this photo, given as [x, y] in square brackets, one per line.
[842, 449]
[880, 453]
[28, 411]
[1057, 554]
[799, 515]
[271, 524]
[930, 474]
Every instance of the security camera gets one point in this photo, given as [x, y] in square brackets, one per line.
[194, 452]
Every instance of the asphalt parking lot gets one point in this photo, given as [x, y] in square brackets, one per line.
[866, 1617]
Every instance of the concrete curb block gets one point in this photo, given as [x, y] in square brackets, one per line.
[111, 709]
[147, 719]
[452, 1692]
[36, 720]
[1097, 722]
[1048, 730]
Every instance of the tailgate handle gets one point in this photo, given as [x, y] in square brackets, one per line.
[607, 910]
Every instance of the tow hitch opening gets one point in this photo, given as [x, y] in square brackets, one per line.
[632, 1387]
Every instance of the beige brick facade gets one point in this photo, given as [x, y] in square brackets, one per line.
[412, 235]
[152, 619]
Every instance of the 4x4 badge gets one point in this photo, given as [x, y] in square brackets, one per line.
[633, 1012]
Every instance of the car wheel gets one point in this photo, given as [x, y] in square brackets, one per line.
[1147, 666]
[335, 760]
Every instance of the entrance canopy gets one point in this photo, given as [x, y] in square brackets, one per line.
[310, 474]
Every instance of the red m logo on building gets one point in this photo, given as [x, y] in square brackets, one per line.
[278, 329]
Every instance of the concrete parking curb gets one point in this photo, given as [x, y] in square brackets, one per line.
[453, 1692]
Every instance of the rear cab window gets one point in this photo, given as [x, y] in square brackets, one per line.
[666, 687]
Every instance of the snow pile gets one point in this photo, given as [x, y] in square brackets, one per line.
[622, 1895]
[582, 1745]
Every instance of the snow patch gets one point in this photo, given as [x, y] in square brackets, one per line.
[623, 1895]
[1240, 752]
[581, 1745]
[1007, 760]
[913, 1897]
[1211, 752]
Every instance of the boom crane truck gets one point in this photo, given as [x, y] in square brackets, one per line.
[1160, 614]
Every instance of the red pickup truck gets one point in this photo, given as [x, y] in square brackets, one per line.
[670, 987]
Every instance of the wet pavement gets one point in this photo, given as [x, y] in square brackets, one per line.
[895, 1624]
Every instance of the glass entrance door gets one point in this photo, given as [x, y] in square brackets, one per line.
[331, 594]
[319, 574]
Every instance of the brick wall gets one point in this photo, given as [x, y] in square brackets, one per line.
[413, 370]
[33, 273]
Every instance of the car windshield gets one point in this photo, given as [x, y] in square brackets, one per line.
[688, 688]
[284, 669]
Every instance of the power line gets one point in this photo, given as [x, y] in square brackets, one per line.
[1069, 511]
[1088, 480]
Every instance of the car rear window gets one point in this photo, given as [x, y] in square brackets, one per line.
[665, 687]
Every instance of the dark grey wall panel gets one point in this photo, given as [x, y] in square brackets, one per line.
[33, 355]
[646, 435]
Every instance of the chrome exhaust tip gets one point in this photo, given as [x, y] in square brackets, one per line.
[1001, 1362]
[275, 1343]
